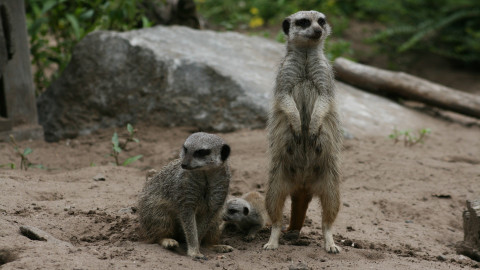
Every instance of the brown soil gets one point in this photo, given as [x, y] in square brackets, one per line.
[402, 206]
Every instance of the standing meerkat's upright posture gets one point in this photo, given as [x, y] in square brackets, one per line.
[303, 130]
[184, 200]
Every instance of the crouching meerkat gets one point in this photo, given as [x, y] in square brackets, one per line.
[184, 201]
[247, 213]
[303, 130]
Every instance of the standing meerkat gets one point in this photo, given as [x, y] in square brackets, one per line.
[303, 130]
[248, 213]
[184, 200]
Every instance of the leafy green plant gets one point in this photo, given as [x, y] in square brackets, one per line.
[10, 165]
[24, 161]
[408, 137]
[117, 147]
[55, 26]
[131, 137]
[449, 28]
[337, 48]
[233, 14]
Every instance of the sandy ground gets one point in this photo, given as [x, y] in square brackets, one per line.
[401, 206]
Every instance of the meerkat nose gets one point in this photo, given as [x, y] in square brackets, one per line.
[184, 166]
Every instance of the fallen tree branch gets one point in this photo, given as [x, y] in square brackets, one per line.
[407, 86]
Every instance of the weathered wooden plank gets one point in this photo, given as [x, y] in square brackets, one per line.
[471, 226]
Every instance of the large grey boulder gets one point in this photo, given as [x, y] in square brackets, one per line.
[172, 76]
[164, 75]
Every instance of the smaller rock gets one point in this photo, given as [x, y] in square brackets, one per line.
[347, 242]
[33, 233]
[408, 221]
[39, 235]
[346, 204]
[357, 245]
[350, 229]
[99, 177]
[299, 266]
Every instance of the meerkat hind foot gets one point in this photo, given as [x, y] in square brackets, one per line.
[249, 238]
[169, 243]
[197, 255]
[330, 247]
[222, 248]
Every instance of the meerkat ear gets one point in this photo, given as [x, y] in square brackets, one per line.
[225, 152]
[245, 211]
[286, 26]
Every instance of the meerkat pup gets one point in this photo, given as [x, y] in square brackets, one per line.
[184, 201]
[247, 213]
[303, 130]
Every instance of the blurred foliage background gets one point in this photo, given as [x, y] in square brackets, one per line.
[448, 28]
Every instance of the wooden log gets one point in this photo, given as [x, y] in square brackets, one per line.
[407, 86]
[471, 227]
[471, 223]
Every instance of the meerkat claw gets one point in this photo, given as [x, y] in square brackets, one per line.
[269, 246]
[334, 249]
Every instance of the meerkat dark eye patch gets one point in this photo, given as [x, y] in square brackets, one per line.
[304, 23]
[202, 153]
[232, 211]
[245, 211]
[185, 149]
[322, 21]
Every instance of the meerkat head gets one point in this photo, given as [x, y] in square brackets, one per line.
[236, 210]
[203, 151]
[306, 28]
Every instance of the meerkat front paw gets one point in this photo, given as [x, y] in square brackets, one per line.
[249, 238]
[222, 248]
[169, 243]
[196, 255]
[270, 246]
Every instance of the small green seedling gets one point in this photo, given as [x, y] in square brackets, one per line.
[116, 149]
[131, 137]
[24, 162]
[11, 165]
[409, 138]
